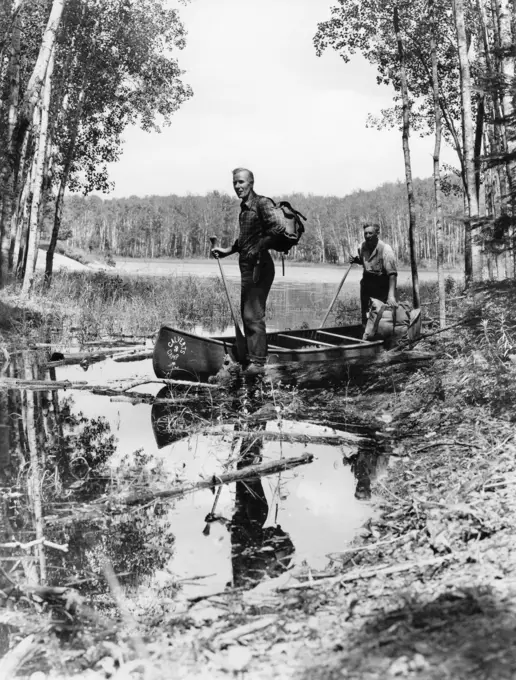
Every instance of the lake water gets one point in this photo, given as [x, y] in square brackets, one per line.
[301, 296]
[63, 452]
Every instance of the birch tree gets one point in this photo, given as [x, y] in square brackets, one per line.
[473, 255]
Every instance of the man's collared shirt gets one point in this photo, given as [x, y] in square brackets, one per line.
[380, 262]
[258, 218]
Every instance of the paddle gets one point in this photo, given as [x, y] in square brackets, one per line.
[206, 530]
[239, 336]
[336, 295]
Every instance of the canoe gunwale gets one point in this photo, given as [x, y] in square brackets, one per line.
[229, 341]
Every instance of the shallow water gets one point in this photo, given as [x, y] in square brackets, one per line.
[63, 451]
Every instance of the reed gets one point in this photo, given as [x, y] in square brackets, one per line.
[100, 303]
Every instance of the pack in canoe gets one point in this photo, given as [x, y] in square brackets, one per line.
[186, 356]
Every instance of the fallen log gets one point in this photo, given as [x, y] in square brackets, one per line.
[248, 472]
[285, 435]
[133, 356]
[106, 390]
[86, 357]
[19, 383]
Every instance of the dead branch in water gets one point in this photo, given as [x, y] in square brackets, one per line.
[133, 356]
[107, 390]
[249, 472]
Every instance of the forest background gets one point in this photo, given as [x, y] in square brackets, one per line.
[180, 226]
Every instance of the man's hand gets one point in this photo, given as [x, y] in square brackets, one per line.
[391, 301]
[221, 252]
[253, 253]
[354, 260]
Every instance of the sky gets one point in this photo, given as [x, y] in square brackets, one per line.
[264, 100]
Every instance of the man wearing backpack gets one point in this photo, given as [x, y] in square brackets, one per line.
[259, 227]
[380, 273]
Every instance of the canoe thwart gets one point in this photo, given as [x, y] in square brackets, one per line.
[343, 337]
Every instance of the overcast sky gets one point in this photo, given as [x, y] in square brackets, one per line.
[263, 100]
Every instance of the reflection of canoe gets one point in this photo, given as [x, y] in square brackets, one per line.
[186, 356]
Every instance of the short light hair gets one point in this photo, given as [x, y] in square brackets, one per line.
[375, 226]
[249, 173]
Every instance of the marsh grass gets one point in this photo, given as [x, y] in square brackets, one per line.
[109, 304]
[89, 305]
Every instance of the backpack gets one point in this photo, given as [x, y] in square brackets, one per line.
[293, 227]
[382, 324]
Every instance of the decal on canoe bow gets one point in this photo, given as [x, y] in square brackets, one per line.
[176, 346]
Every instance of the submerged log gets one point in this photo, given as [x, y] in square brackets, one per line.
[248, 472]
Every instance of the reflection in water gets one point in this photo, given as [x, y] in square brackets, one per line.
[55, 460]
[366, 466]
[256, 552]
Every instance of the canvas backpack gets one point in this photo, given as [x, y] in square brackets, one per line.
[389, 325]
[293, 228]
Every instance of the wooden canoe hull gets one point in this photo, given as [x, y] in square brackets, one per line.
[186, 356]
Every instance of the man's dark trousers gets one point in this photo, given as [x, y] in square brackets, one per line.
[252, 304]
[372, 286]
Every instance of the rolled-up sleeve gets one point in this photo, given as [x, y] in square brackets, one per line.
[389, 261]
[271, 217]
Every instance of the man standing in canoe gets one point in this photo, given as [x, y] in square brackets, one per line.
[380, 273]
[259, 225]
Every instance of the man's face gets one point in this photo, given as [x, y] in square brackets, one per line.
[242, 185]
[371, 236]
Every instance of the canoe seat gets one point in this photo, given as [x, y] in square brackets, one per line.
[344, 337]
[305, 341]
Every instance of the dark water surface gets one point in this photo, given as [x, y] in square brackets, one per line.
[62, 452]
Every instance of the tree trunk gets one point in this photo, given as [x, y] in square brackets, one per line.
[38, 76]
[37, 182]
[9, 172]
[473, 254]
[58, 212]
[408, 166]
[507, 56]
[436, 167]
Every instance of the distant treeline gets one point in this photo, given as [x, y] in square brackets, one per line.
[180, 226]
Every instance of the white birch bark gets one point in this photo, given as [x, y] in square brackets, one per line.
[39, 163]
[472, 249]
[437, 169]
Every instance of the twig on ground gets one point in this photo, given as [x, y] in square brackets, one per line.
[372, 546]
[369, 573]
[445, 442]
[17, 656]
[246, 629]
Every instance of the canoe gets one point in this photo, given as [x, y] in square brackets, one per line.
[186, 356]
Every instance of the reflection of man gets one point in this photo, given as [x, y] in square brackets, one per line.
[256, 552]
[380, 273]
[258, 226]
[366, 466]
